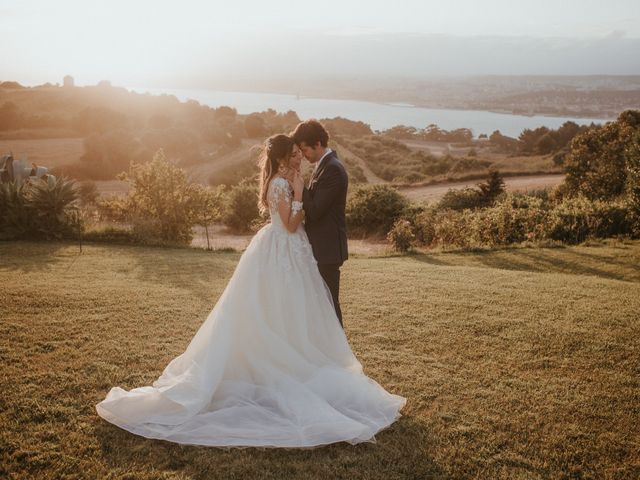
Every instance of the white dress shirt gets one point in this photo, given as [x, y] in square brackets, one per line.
[321, 158]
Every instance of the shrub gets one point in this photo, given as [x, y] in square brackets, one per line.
[576, 219]
[110, 234]
[107, 154]
[373, 209]
[513, 219]
[596, 165]
[241, 207]
[51, 201]
[401, 236]
[38, 209]
[16, 220]
[461, 199]
[159, 205]
[452, 228]
[424, 226]
[88, 192]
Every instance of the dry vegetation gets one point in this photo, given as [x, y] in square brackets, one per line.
[518, 364]
[50, 152]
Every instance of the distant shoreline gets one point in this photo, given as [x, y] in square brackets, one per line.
[379, 115]
[401, 104]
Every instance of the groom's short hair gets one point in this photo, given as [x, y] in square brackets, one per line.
[311, 132]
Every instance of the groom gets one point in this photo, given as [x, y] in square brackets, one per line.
[324, 204]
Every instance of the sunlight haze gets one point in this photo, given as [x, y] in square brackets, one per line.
[190, 43]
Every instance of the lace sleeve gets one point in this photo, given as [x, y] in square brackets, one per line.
[278, 190]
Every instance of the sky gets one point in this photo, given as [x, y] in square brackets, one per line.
[189, 43]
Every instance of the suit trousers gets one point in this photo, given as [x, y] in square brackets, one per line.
[331, 275]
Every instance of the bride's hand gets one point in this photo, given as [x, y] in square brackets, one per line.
[297, 184]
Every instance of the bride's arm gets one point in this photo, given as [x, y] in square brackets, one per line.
[291, 213]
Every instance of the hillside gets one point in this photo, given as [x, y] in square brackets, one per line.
[96, 132]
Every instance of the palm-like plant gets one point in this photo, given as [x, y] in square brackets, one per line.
[51, 201]
[15, 212]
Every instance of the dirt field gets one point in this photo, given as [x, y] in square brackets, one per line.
[49, 152]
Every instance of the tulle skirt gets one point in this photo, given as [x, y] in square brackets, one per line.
[270, 366]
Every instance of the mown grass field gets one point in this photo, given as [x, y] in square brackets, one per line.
[517, 364]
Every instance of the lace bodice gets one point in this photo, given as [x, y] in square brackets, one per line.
[294, 245]
[279, 190]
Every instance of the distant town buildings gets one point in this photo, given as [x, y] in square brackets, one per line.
[68, 81]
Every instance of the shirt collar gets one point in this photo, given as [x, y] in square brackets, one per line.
[322, 158]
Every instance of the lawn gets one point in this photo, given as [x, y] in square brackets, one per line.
[517, 364]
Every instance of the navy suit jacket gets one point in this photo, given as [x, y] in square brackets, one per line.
[324, 204]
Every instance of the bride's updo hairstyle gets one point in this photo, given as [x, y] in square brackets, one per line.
[276, 148]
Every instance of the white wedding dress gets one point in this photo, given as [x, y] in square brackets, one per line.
[270, 366]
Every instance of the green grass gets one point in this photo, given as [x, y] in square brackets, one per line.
[517, 364]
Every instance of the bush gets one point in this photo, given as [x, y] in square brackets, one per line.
[110, 234]
[373, 209]
[461, 199]
[598, 161]
[52, 201]
[88, 192]
[16, 220]
[516, 218]
[401, 236]
[38, 209]
[108, 154]
[424, 226]
[452, 228]
[576, 219]
[241, 207]
[159, 206]
[513, 219]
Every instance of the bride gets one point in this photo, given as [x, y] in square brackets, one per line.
[270, 366]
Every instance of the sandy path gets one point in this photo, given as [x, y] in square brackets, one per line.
[432, 193]
[437, 149]
[201, 173]
[368, 173]
[219, 238]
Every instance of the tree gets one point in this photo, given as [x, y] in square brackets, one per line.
[528, 139]
[159, 205]
[596, 165]
[207, 206]
[255, 126]
[492, 187]
[108, 154]
[503, 142]
[401, 132]
[99, 120]
[633, 177]
[546, 144]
